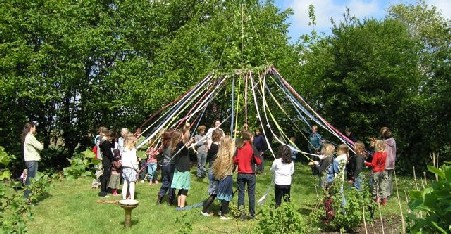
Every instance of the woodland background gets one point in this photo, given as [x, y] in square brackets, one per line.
[76, 65]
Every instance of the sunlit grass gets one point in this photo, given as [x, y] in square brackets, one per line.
[73, 208]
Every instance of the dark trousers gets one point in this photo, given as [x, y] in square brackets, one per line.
[105, 179]
[282, 191]
[167, 172]
[208, 203]
[260, 168]
[224, 207]
[32, 170]
[242, 180]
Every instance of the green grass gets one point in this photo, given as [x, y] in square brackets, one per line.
[72, 208]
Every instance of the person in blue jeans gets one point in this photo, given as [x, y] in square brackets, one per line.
[167, 170]
[31, 148]
[245, 158]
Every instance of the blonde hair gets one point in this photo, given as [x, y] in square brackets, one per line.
[342, 149]
[224, 160]
[327, 149]
[379, 146]
[130, 141]
[359, 148]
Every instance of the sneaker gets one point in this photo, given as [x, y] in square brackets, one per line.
[224, 218]
[219, 213]
[206, 214]
[142, 181]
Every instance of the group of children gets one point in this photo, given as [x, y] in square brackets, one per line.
[381, 161]
[223, 155]
[119, 161]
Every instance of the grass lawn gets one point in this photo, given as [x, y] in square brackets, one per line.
[72, 208]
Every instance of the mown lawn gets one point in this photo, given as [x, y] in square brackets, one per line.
[73, 208]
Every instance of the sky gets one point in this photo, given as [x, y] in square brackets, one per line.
[327, 9]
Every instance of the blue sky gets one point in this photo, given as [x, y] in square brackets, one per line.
[326, 9]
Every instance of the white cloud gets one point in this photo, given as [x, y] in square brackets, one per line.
[327, 9]
[444, 6]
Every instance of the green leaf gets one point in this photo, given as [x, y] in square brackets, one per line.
[437, 171]
[6, 174]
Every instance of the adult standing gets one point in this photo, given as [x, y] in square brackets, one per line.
[261, 146]
[390, 148]
[107, 160]
[217, 126]
[201, 148]
[315, 140]
[31, 148]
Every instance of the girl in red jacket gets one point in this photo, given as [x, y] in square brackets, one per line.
[379, 173]
[245, 158]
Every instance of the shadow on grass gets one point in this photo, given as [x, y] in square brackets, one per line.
[134, 222]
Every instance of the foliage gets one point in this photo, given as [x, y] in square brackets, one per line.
[431, 209]
[427, 106]
[74, 66]
[393, 72]
[349, 216]
[284, 219]
[349, 207]
[5, 160]
[15, 211]
[81, 164]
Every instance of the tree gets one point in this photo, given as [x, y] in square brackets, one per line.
[361, 73]
[74, 66]
[429, 105]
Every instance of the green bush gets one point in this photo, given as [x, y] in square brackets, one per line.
[348, 215]
[15, 210]
[81, 164]
[284, 219]
[5, 160]
[431, 207]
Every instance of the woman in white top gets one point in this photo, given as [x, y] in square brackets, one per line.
[31, 148]
[129, 166]
[283, 168]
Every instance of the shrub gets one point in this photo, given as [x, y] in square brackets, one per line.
[349, 216]
[431, 209]
[14, 209]
[348, 205]
[284, 219]
[81, 164]
[5, 160]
